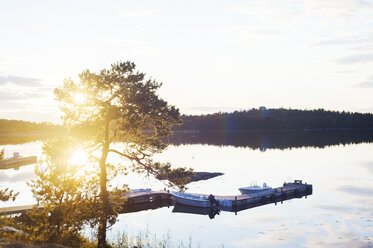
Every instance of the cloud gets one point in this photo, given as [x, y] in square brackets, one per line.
[334, 11]
[21, 81]
[138, 47]
[4, 61]
[263, 9]
[32, 115]
[14, 96]
[270, 13]
[346, 40]
[368, 166]
[366, 84]
[137, 13]
[356, 58]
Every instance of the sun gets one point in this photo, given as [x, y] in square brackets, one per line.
[79, 157]
[79, 98]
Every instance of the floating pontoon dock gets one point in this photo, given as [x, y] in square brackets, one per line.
[17, 161]
[147, 199]
[136, 201]
[295, 189]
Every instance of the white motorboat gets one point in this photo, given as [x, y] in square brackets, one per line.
[140, 190]
[194, 200]
[254, 189]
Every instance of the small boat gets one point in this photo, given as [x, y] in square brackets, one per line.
[194, 200]
[254, 189]
[140, 190]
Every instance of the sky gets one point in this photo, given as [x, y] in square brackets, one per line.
[210, 55]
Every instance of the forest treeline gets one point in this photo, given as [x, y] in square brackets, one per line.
[277, 119]
[246, 120]
[28, 127]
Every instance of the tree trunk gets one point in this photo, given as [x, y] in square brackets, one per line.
[103, 191]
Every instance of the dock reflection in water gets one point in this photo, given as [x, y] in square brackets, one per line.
[210, 212]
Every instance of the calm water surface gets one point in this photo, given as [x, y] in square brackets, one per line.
[339, 213]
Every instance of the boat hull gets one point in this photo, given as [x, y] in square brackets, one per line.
[192, 200]
[246, 191]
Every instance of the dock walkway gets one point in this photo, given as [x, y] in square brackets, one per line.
[296, 189]
[15, 162]
[133, 199]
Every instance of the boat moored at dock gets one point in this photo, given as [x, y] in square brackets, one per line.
[293, 189]
[195, 200]
[254, 189]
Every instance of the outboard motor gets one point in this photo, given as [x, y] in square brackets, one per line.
[213, 212]
[212, 200]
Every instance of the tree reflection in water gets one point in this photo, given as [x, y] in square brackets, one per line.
[264, 140]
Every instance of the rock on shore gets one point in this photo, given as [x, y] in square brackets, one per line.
[199, 176]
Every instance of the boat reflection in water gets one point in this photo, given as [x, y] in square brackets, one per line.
[211, 212]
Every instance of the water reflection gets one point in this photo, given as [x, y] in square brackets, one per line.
[211, 212]
[264, 140]
[17, 176]
[132, 208]
[338, 214]
[261, 140]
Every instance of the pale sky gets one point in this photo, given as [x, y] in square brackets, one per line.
[210, 55]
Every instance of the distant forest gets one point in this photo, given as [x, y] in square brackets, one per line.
[277, 119]
[261, 119]
[27, 127]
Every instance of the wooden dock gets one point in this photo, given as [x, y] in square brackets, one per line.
[18, 209]
[295, 189]
[147, 197]
[143, 200]
[135, 201]
[15, 162]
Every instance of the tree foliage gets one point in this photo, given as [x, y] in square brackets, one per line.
[119, 105]
[66, 194]
[2, 154]
[6, 194]
[277, 119]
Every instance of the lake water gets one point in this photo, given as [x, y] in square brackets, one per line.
[339, 213]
